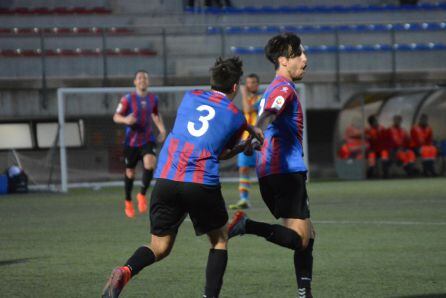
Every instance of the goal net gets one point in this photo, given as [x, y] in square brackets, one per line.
[84, 146]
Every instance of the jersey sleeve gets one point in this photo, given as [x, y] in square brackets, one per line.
[278, 99]
[155, 105]
[123, 106]
[239, 127]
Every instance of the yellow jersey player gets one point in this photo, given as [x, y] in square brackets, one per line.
[250, 102]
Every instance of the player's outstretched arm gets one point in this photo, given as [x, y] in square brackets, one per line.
[126, 120]
[160, 125]
[230, 153]
[247, 108]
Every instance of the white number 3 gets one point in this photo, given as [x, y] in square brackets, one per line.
[204, 121]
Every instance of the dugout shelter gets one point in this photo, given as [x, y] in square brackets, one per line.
[410, 103]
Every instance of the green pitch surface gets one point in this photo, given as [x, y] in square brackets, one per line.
[374, 239]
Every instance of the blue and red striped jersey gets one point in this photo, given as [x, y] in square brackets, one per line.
[207, 122]
[282, 149]
[142, 108]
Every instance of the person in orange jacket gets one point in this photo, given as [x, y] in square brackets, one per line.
[428, 155]
[407, 158]
[421, 134]
[353, 140]
[422, 144]
[375, 135]
[397, 140]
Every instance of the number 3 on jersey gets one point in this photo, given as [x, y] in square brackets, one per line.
[204, 121]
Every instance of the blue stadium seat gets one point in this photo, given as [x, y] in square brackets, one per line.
[353, 48]
[433, 26]
[319, 9]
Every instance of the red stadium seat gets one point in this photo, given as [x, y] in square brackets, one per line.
[22, 10]
[81, 10]
[9, 53]
[147, 52]
[41, 10]
[57, 10]
[65, 30]
[100, 10]
[63, 10]
[76, 52]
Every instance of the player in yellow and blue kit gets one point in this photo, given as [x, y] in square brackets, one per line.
[250, 102]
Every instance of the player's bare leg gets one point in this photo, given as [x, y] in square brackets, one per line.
[159, 248]
[217, 260]
[149, 163]
[129, 178]
[303, 258]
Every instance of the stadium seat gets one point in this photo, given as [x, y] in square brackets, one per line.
[56, 10]
[65, 30]
[76, 52]
[319, 9]
[233, 30]
[352, 48]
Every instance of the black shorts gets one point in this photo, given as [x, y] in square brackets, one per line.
[134, 154]
[171, 201]
[286, 195]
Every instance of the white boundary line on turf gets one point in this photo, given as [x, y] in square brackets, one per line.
[98, 185]
[389, 223]
[383, 222]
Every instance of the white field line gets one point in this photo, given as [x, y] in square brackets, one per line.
[380, 222]
[353, 222]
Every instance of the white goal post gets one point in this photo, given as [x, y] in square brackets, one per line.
[61, 98]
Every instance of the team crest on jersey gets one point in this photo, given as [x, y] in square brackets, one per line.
[278, 102]
[143, 103]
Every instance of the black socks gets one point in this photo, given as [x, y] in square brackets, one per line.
[128, 188]
[146, 178]
[215, 269]
[303, 265]
[276, 234]
[141, 258]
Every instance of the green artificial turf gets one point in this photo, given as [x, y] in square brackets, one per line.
[374, 239]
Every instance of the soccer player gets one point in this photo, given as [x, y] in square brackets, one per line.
[421, 134]
[280, 165]
[399, 142]
[375, 135]
[422, 144]
[207, 128]
[250, 102]
[135, 111]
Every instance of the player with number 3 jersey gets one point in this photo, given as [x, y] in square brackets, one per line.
[206, 123]
[207, 128]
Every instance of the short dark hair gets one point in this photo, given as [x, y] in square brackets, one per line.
[140, 71]
[253, 76]
[225, 73]
[372, 119]
[283, 45]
